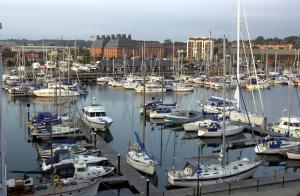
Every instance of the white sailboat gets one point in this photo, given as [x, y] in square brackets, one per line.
[141, 160]
[137, 156]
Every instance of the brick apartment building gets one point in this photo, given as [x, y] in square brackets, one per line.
[119, 46]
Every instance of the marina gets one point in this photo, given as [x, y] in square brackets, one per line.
[111, 145]
[117, 115]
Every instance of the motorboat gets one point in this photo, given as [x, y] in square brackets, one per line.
[183, 116]
[25, 186]
[95, 117]
[288, 123]
[275, 145]
[65, 156]
[81, 171]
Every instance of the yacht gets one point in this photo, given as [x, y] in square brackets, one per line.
[79, 187]
[213, 173]
[275, 145]
[95, 117]
[65, 156]
[80, 171]
[285, 123]
[55, 92]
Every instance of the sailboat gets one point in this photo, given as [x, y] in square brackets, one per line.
[214, 173]
[137, 156]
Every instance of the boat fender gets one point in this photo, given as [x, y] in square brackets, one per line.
[56, 177]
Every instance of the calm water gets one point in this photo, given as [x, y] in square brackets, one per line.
[123, 106]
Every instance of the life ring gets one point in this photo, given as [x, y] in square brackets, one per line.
[56, 177]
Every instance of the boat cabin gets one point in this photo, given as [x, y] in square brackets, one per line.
[94, 110]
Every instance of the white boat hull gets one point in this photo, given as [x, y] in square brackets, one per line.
[146, 168]
[231, 130]
[90, 189]
[98, 126]
[255, 120]
[293, 156]
[195, 126]
[55, 93]
[264, 149]
[233, 176]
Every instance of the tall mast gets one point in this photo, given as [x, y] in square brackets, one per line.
[144, 95]
[224, 80]
[237, 92]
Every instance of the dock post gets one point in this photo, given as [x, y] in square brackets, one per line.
[229, 188]
[257, 184]
[119, 164]
[147, 190]
[95, 141]
[28, 112]
[283, 182]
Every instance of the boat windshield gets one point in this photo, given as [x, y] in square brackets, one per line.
[97, 114]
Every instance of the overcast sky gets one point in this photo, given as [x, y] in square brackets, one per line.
[145, 19]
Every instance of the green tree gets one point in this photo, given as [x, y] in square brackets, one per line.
[260, 39]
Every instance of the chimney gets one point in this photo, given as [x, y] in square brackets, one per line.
[107, 36]
[103, 36]
[97, 37]
[129, 36]
[118, 36]
[124, 36]
[112, 36]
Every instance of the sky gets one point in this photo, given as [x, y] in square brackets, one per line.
[146, 19]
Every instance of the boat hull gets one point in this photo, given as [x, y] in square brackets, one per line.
[293, 155]
[145, 168]
[255, 120]
[203, 182]
[228, 132]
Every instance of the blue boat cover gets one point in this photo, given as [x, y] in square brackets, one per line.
[142, 146]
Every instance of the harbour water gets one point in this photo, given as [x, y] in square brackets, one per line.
[166, 143]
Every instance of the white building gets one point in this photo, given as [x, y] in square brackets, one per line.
[200, 48]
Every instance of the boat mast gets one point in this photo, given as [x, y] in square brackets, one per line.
[144, 94]
[224, 80]
[237, 92]
[2, 143]
[290, 81]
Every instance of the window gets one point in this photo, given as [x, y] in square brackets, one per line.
[98, 114]
[92, 114]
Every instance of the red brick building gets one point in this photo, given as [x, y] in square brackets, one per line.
[119, 46]
[113, 46]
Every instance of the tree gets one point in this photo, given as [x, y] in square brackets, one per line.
[260, 39]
